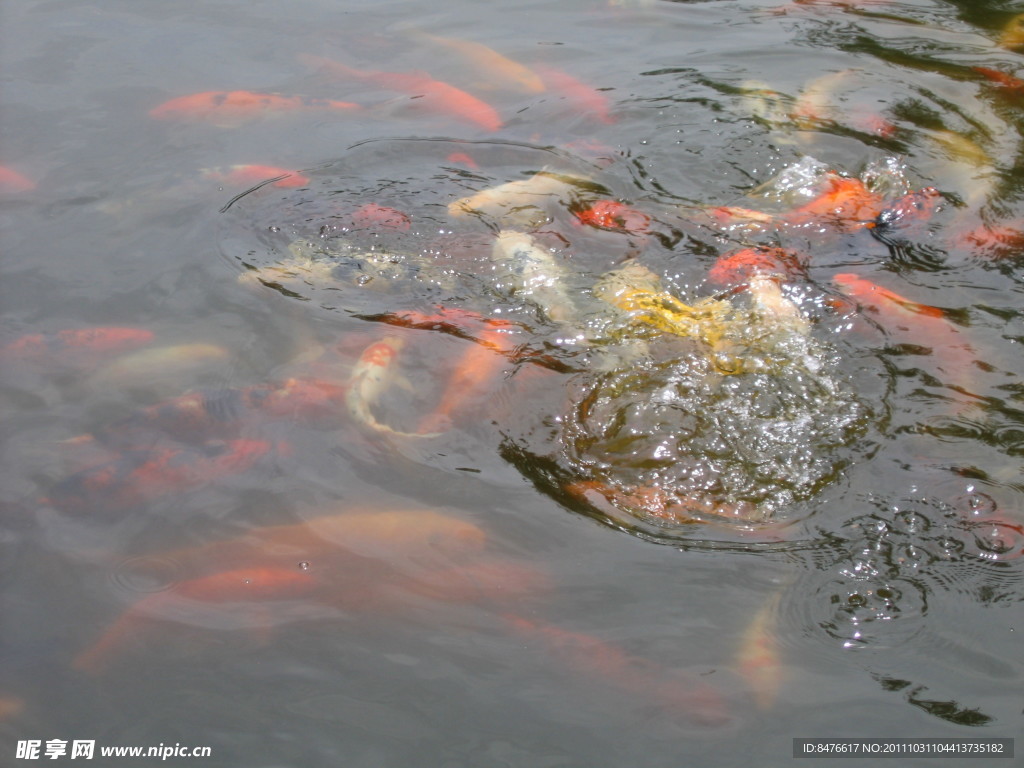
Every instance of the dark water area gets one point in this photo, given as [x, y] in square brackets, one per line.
[586, 383]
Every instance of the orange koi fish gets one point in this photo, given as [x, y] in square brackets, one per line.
[362, 559]
[739, 267]
[912, 208]
[909, 322]
[578, 94]
[245, 585]
[77, 342]
[461, 158]
[1005, 81]
[141, 476]
[254, 174]
[493, 69]
[611, 214]
[993, 242]
[479, 364]
[847, 204]
[435, 94]
[12, 181]
[691, 699]
[374, 217]
[233, 107]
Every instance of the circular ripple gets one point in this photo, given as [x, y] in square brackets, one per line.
[675, 440]
[146, 575]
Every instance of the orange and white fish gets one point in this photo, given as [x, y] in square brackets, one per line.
[254, 174]
[580, 96]
[13, 181]
[229, 108]
[494, 70]
[434, 94]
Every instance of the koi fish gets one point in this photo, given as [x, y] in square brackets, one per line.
[436, 95]
[372, 216]
[739, 267]
[494, 69]
[254, 174]
[149, 365]
[204, 415]
[12, 181]
[355, 559]
[758, 660]
[373, 373]
[461, 158]
[993, 242]
[691, 699]
[1003, 80]
[577, 94]
[813, 107]
[228, 108]
[611, 214]
[905, 321]
[86, 343]
[540, 276]
[141, 476]
[846, 204]
[1012, 36]
[912, 208]
[522, 202]
[244, 585]
[479, 364]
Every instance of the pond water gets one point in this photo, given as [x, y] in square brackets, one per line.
[324, 445]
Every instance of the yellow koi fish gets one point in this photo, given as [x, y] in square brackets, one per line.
[495, 70]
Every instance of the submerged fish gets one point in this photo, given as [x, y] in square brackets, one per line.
[362, 559]
[680, 696]
[254, 174]
[434, 94]
[493, 69]
[914, 325]
[229, 108]
[580, 96]
[75, 343]
[374, 373]
[12, 181]
[151, 365]
[143, 475]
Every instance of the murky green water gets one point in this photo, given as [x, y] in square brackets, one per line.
[371, 476]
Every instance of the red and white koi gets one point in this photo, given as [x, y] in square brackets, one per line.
[373, 374]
